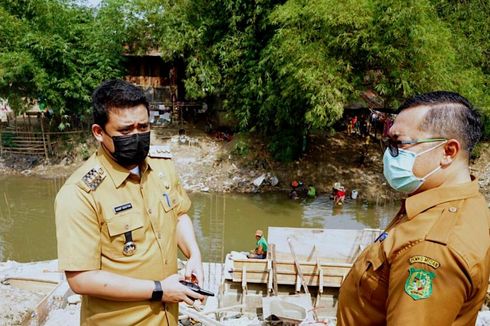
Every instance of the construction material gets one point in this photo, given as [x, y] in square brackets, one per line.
[274, 269]
[199, 316]
[298, 267]
[285, 272]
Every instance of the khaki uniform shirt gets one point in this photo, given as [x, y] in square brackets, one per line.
[431, 269]
[95, 207]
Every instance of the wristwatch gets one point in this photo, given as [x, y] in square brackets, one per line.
[157, 292]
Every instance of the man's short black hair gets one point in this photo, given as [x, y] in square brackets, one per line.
[115, 94]
[451, 116]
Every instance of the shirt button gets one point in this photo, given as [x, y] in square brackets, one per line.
[159, 235]
[453, 209]
[126, 226]
[149, 211]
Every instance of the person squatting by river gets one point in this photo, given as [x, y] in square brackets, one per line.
[261, 247]
[431, 265]
[121, 217]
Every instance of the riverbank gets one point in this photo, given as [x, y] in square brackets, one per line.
[209, 163]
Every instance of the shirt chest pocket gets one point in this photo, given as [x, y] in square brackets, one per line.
[123, 228]
[167, 222]
[373, 281]
[169, 201]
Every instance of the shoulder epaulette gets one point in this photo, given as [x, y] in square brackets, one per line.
[93, 178]
[160, 151]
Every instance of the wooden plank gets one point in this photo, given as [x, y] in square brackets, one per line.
[287, 267]
[24, 147]
[285, 272]
[41, 122]
[290, 279]
[325, 272]
[27, 141]
[298, 267]
[31, 284]
[269, 273]
[43, 308]
[24, 150]
[274, 269]
[37, 153]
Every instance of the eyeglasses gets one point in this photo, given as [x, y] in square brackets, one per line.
[393, 145]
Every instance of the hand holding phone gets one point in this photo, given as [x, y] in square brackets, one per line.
[194, 287]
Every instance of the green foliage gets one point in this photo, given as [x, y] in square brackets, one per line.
[476, 152]
[8, 139]
[295, 64]
[280, 67]
[486, 126]
[240, 148]
[285, 145]
[84, 152]
[57, 50]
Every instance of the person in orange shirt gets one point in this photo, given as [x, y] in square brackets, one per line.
[431, 264]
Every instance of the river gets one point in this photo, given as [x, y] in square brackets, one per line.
[222, 222]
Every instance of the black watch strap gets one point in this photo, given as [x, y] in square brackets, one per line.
[157, 292]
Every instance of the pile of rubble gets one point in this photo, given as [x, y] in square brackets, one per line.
[203, 165]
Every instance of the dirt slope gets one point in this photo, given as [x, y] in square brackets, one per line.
[208, 163]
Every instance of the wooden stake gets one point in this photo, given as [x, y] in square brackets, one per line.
[274, 269]
[298, 267]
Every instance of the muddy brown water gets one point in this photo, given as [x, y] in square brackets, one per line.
[222, 222]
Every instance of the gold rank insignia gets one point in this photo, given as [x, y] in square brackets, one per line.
[160, 151]
[94, 177]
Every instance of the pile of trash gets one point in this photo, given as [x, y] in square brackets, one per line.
[202, 165]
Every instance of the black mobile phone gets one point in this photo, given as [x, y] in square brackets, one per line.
[194, 287]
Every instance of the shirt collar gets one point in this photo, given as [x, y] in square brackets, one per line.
[116, 172]
[418, 203]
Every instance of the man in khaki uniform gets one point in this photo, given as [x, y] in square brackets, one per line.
[431, 265]
[120, 218]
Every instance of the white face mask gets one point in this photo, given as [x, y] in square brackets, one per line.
[398, 170]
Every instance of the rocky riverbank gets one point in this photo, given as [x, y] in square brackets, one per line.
[208, 163]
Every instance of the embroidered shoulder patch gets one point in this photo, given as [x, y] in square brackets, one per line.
[424, 260]
[419, 283]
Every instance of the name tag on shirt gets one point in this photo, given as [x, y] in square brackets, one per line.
[123, 207]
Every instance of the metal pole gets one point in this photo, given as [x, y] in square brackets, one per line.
[44, 137]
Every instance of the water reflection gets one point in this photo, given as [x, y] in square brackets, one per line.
[223, 222]
[228, 222]
[27, 218]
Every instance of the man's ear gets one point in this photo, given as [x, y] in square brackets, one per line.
[97, 132]
[451, 150]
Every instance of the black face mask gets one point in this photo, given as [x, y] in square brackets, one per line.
[131, 150]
